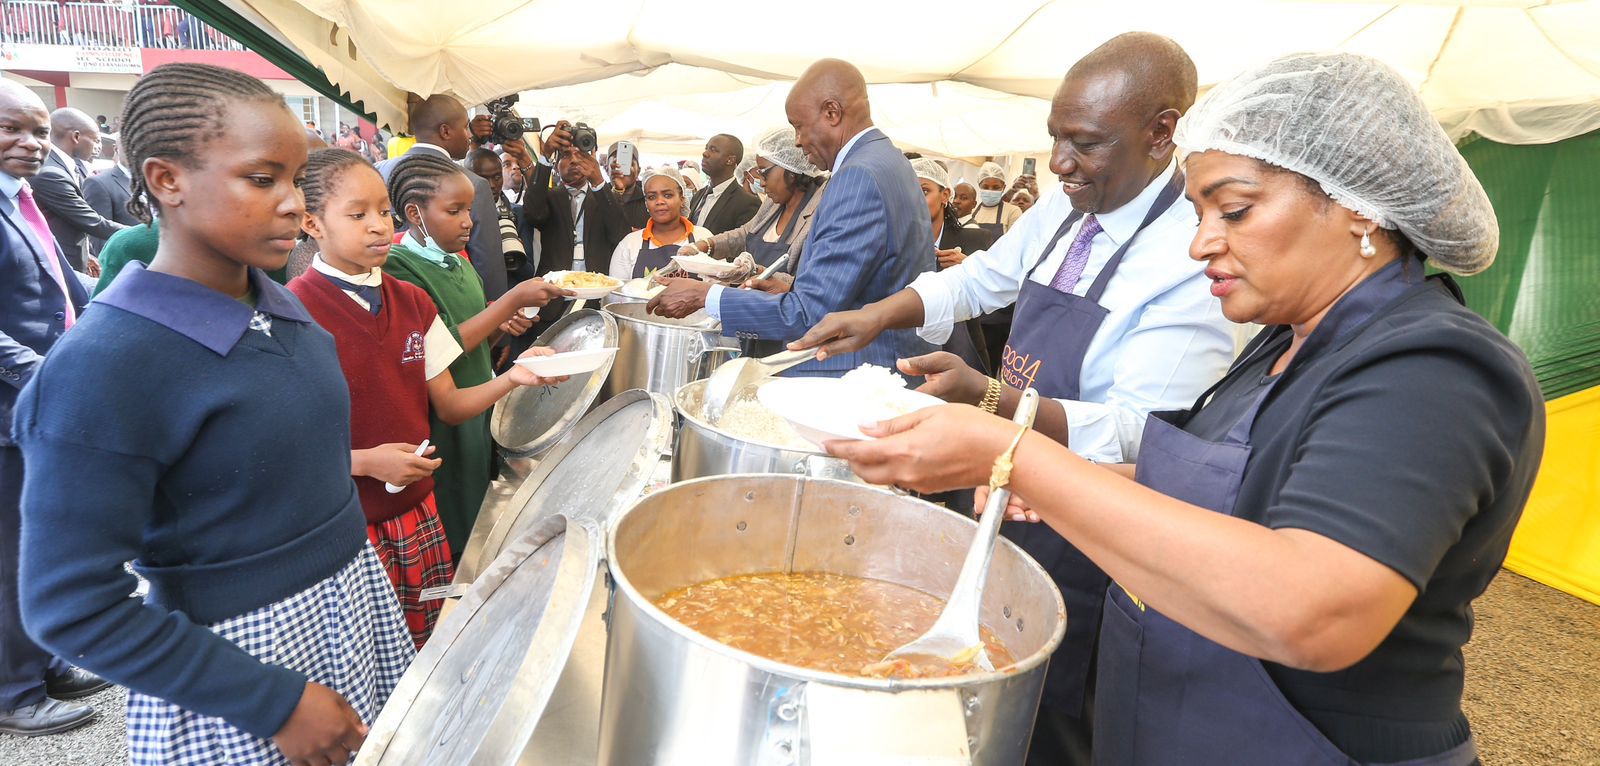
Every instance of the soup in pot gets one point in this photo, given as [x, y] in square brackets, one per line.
[827, 622]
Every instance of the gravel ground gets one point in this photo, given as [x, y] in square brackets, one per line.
[1533, 686]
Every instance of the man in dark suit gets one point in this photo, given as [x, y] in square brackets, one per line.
[40, 297]
[579, 223]
[441, 127]
[108, 193]
[75, 140]
[724, 204]
[870, 236]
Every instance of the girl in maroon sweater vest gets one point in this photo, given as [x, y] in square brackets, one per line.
[396, 353]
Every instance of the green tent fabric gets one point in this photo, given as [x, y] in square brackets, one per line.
[1544, 287]
[219, 15]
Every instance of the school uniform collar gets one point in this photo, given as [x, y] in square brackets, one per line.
[195, 311]
[372, 278]
[1122, 223]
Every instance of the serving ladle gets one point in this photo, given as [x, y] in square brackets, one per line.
[735, 374]
[955, 633]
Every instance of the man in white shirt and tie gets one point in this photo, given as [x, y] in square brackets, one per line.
[723, 205]
[1113, 319]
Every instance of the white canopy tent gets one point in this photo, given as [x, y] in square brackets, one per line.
[958, 79]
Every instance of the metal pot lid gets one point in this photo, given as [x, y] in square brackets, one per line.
[600, 467]
[531, 418]
[476, 692]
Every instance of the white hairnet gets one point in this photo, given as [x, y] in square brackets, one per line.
[665, 170]
[933, 170]
[745, 166]
[693, 176]
[778, 148]
[1358, 129]
[990, 170]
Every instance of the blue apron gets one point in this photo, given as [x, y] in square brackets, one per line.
[1049, 338]
[998, 228]
[766, 253]
[653, 258]
[1168, 695]
[962, 343]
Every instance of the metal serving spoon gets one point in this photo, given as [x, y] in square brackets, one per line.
[956, 631]
[735, 374]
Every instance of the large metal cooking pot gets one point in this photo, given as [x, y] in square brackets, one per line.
[674, 696]
[703, 449]
[532, 418]
[659, 354]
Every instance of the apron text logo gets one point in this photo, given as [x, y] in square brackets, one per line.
[1018, 370]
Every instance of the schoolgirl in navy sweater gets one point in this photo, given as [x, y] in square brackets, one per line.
[396, 353]
[196, 421]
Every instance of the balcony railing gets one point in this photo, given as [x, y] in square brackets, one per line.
[108, 24]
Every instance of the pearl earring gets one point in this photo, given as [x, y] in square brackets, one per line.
[1367, 248]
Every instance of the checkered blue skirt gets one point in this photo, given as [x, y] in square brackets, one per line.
[346, 633]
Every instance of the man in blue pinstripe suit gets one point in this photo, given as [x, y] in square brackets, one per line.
[870, 239]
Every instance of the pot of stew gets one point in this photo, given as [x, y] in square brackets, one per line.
[752, 614]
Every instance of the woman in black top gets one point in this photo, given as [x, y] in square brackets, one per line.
[1296, 557]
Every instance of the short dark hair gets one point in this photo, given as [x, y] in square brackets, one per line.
[172, 112]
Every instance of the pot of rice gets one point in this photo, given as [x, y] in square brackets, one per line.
[749, 439]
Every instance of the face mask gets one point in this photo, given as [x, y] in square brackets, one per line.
[431, 250]
[759, 188]
[989, 198]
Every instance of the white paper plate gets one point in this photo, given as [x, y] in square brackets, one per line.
[821, 409]
[641, 288]
[585, 293]
[568, 362]
[705, 264]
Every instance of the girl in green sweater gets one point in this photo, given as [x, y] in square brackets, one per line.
[434, 197]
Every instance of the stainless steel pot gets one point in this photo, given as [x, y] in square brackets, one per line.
[674, 696]
[706, 450]
[532, 418]
[659, 354]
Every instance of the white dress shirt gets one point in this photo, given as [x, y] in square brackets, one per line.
[1163, 342]
[711, 201]
[439, 348]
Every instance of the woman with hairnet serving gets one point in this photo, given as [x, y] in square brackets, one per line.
[651, 248]
[780, 227]
[1295, 559]
[993, 214]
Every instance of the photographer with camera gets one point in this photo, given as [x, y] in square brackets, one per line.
[440, 124]
[579, 223]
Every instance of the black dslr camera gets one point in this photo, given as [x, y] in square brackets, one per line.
[508, 126]
[584, 138]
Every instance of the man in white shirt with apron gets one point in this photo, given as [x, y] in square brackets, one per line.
[1113, 319]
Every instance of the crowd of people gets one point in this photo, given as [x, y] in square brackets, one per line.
[109, 23]
[274, 405]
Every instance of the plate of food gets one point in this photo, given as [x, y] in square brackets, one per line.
[705, 265]
[641, 288]
[567, 362]
[584, 284]
[823, 409]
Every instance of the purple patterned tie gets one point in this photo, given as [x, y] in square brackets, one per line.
[1077, 256]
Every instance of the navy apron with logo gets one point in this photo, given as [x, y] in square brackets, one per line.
[1168, 695]
[654, 258]
[998, 228]
[1049, 338]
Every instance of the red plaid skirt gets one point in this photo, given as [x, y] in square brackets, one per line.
[414, 554]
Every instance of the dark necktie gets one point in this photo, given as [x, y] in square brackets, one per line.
[369, 293]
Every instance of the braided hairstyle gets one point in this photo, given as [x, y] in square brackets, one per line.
[171, 113]
[416, 180]
[323, 170]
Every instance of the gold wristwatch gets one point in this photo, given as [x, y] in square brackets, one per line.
[991, 398]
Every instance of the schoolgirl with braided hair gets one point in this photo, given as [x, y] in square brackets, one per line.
[197, 422]
[433, 196]
[396, 352]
